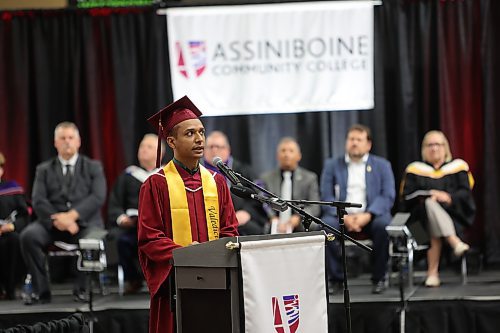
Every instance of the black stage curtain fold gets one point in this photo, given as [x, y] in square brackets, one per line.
[490, 139]
[107, 70]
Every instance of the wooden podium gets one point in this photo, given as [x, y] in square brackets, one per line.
[208, 285]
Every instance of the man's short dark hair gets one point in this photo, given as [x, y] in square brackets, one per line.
[361, 128]
[173, 131]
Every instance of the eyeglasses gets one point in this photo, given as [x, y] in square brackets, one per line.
[434, 144]
[214, 147]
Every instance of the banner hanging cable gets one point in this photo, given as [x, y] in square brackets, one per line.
[163, 11]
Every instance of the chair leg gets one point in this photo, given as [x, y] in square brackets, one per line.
[389, 270]
[409, 247]
[121, 280]
[464, 270]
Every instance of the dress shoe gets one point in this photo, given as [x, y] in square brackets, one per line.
[378, 287]
[432, 281]
[460, 249]
[29, 299]
[133, 287]
[80, 296]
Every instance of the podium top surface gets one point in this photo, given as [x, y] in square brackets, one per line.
[215, 253]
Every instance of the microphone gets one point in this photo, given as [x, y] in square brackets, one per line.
[226, 171]
[245, 192]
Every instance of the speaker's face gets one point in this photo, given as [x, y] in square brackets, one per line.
[189, 142]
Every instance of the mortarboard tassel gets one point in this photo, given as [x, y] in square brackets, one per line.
[158, 149]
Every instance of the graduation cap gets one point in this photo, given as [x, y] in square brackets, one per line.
[166, 119]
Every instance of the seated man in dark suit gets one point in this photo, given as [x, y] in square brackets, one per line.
[290, 181]
[250, 215]
[364, 178]
[68, 193]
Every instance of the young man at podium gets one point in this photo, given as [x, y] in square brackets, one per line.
[182, 204]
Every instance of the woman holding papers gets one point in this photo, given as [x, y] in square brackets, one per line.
[437, 191]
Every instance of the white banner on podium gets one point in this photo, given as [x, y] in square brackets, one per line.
[284, 287]
[273, 58]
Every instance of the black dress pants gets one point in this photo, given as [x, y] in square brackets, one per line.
[11, 263]
[380, 255]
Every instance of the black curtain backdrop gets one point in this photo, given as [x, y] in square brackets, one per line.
[103, 69]
[107, 70]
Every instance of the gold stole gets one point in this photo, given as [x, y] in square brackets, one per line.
[179, 210]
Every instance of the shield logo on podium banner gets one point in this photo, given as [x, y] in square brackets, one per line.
[291, 314]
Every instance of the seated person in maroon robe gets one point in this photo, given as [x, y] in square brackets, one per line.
[13, 218]
[182, 204]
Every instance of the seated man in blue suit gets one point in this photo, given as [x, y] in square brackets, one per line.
[364, 178]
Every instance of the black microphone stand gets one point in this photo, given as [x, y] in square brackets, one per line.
[341, 212]
[404, 303]
[307, 218]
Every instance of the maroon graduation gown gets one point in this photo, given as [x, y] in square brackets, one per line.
[155, 239]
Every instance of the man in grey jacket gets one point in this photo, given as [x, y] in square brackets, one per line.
[290, 181]
[68, 193]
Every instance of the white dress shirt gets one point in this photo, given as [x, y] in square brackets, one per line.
[356, 183]
[71, 162]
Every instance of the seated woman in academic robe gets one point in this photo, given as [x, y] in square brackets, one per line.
[437, 192]
[13, 218]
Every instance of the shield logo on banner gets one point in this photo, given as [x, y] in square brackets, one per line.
[198, 56]
[197, 62]
[291, 314]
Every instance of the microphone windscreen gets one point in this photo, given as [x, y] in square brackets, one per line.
[217, 160]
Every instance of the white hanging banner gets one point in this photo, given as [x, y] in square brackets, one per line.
[273, 58]
[284, 288]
